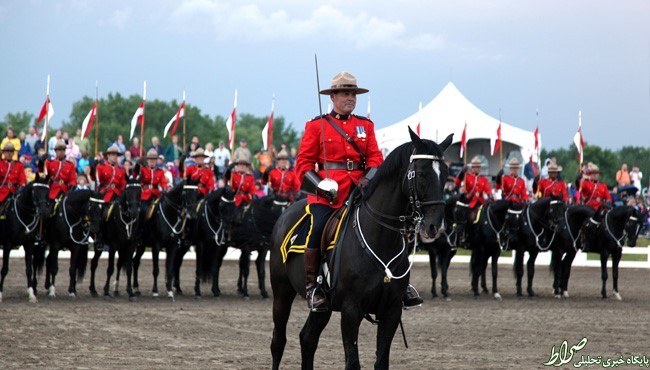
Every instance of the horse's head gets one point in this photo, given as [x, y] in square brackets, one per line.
[190, 197]
[634, 225]
[462, 218]
[132, 193]
[424, 181]
[94, 211]
[227, 207]
[280, 203]
[555, 212]
[40, 193]
[513, 220]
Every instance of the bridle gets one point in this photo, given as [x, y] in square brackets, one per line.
[31, 226]
[219, 233]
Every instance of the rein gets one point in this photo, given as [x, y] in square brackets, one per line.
[498, 233]
[85, 233]
[609, 231]
[537, 236]
[180, 218]
[219, 234]
[574, 240]
[128, 225]
[32, 225]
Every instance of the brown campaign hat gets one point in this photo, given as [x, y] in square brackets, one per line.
[9, 147]
[282, 154]
[476, 162]
[513, 163]
[60, 145]
[152, 154]
[344, 81]
[113, 149]
[199, 153]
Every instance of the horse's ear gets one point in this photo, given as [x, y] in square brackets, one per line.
[447, 142]
[415, 139]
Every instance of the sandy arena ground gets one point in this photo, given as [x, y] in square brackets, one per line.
[231, 333]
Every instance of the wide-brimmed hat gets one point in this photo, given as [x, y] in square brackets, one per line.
[513, 163]
[113, 149]
[60, 145]
[243, 161]
[344, 81]
[9, 147]
[476, 162]
[199, 153]
[282, 154]
[553, 167]
[152, 154]
[592, 168]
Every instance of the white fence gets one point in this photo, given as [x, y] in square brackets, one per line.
[543, 259]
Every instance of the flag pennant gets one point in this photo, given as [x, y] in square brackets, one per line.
[230, 125]
[417, 129]
[578, 139]
[463, 141]
[173, 123]
[267, 131]
[496, 142]
[137, 117]
[87, 124]
[536, 133]
[46, 110]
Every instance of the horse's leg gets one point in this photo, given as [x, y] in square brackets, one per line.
[310, 335]
[120, 265]
[495, 272]
[5, 267]
[616, 258]
[178, 262]
[29, 250]
[93, 268]
[557, 272]
[475, 269]
[532, 257]
[350, 321]
[136, 266]
[48, 267]
[388, 323]
[201, 254]
[52, 269]
[567, 261]
[216, 267]
[603, 272]
[434, 271]
[283, 296]
[169, 271]
[128, 266]
[519, 269]
[72, 270]
[244, 271]
[109, 271]
[260, 264]
[155, 255]
[444, 268]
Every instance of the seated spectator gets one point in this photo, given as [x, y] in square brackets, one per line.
[82, 182]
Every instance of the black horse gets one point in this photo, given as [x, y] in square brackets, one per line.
[210, 232]
[253, 234]
[442, 249]
[486, 237]
[69, 228]
[567, 242]
[370, 267]
[534, 234]
[162, 231]
[606, 235]
[119, 230]
[23, 225]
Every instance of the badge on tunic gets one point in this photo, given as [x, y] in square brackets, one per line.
[361, 132]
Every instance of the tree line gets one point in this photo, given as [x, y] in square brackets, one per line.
[115, 112]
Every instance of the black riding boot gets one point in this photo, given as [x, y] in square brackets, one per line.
[316, 300]
[411, 298]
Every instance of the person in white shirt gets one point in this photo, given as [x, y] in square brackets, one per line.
[636, 176]
[221, 158]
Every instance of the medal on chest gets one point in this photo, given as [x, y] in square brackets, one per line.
[361, 132]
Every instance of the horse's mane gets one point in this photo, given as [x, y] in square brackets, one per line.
[214, 195]
[176, 191]
[622, 211]
[395, 161]
[500, 206]
[78, 196]
[581, 210]
[540, 203]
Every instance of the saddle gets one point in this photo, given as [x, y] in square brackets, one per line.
[55, 205]
[3, 208]
[332, 228]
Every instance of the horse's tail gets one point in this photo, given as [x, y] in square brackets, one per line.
[38, 256]
[82, 261]
[207, 256]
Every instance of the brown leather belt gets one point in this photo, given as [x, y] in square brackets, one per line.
[58, 182]
[7, 185]
[347, 165]
[147, 186]
[111, 186]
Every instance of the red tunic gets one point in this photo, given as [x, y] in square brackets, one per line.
[514, 189]
[594, 193]
[244, 187]
[205, 177]
[63, 176]
[152, 181]
[548, 187]
[360, 129]
[112, 180]
[476, 186]
[283, 182]
[12, 176]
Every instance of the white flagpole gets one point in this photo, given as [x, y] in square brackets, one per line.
[144, 99]
[47, 113]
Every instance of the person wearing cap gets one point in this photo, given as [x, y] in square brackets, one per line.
[242, 182]
[12, 174]
[552, 186]
[513, 187]
[63, 175]
[477, 188]
[11, 138]
[348, 165]
[282, 181]
[201, 173]
[111, 177]
[592, 192]
[152, 179]
[242, 152]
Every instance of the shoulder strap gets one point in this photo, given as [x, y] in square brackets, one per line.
[347, 138]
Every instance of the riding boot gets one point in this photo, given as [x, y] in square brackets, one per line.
[411, 298]
[316, 300]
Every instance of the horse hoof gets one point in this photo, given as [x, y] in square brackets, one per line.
[94, 293]
[72, 295]
[116, 293]
[447, 299]
[133, 298]
[170, 296]
[51, 292]
[107, 297]
[618, 296]
[565, 294]
[179, 291]
[197, 298]
[265, 295]
[531, 294]
[137, 293]
[156, 295]
[497, 296]
[557, 296]
[247, 298]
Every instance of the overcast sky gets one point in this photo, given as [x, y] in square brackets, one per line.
[557, 56]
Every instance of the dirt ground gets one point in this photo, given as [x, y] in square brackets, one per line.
[231, 333]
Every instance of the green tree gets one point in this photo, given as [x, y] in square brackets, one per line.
[19, 121]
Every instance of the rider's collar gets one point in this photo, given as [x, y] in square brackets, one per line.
[339, 115]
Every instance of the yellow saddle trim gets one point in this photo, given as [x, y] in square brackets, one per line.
[57, 201]
[151, 209]
[198, 205]
[109, 211]
[288, 237]
[478, 214]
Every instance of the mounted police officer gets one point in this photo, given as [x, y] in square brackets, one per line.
[63, 175]
[476, 187]
[513, 187]
[111, 177]
[552, 186]
[152, 180]
[592, 192]
[12, 176]
[352, 159]
[201, 173]
[281, 179]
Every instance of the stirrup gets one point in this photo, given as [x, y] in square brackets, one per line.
[412, 298]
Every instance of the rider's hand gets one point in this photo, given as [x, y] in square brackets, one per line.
[329, 189]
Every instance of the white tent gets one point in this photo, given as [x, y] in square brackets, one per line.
[447, 113]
